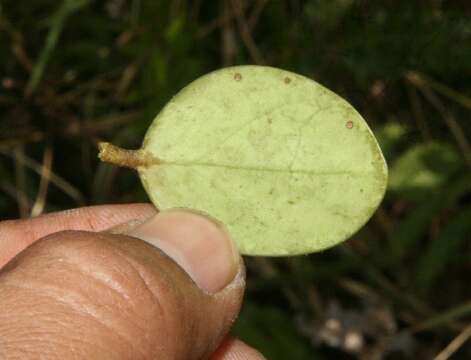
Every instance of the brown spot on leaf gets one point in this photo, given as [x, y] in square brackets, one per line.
[237, 77]
[287, 80]
[349, 124]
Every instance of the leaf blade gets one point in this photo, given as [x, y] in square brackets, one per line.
[266, 151]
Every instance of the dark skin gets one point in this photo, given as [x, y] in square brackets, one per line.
[119, 282]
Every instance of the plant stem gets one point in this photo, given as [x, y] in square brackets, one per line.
[122, 157]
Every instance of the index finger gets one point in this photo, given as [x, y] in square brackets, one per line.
[16, 235]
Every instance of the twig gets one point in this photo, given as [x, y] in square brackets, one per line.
[195, 10]
[358, 289]
[67, 8]
[245, 32]
[266, 267]
[228, 41]
[452, 124]
[129, 74]
[58, 181]
[135, 12]
[420, 80]
[391, 290]
[11, 190]
[256, 12]
[17, 43]
[175, 8]
[215, 24]
[40, 202]
[454, 345]
[22, 198]
[34, 136]
[444, 318]
[419, 113]
[223, 19]
[98, 125]
[424, 84]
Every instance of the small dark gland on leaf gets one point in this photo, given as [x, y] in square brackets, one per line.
[237, 77]
[287, 80]
[349, 124]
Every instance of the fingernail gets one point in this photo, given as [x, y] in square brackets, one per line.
[200, 245]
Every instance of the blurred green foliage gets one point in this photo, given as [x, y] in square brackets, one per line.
[76, 72]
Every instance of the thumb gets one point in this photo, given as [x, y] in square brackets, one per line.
[113, 296]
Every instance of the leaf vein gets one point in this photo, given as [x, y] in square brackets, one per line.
[265, 169]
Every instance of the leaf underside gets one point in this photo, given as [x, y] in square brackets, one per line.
[288, 166]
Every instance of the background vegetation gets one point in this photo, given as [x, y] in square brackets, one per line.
[73, 72]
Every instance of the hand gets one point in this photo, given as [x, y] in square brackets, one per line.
[119, 282]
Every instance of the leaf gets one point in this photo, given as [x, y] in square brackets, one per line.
[175, 28]
[288, 166]
[443, 249]
[423, 168]
[406, 234]
[390, 136]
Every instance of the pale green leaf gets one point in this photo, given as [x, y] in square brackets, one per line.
[288, 166]
[390, 136]
[424, 167]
